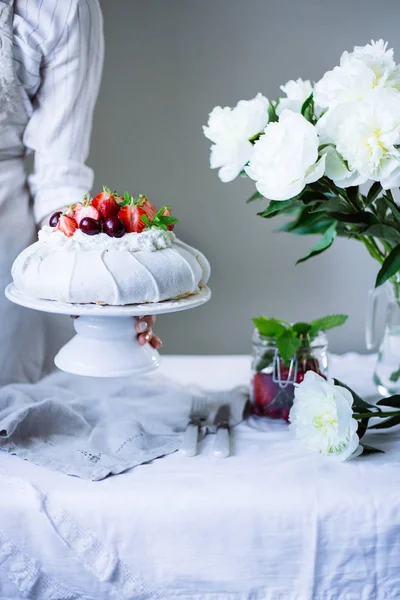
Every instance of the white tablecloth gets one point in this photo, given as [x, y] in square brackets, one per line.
[269, 522]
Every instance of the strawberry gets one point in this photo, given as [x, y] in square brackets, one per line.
[85, 209]
[147, 206]
[130, 215]
[67, 225]
[264, 389]
[106, 203]
[167, 213]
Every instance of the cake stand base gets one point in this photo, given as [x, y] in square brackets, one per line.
[105, 344]
[106, 347]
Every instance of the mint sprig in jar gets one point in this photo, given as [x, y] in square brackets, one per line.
[282, 353]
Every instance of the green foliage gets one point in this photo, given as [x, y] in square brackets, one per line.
[290, 338]
[255, 196]
[323, 244]
[159, 220]
[390, 266]
[307, 109]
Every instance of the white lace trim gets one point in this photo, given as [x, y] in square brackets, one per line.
[100, 561]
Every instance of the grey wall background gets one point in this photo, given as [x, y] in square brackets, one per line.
[168, 63]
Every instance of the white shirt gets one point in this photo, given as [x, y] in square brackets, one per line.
[58, 57]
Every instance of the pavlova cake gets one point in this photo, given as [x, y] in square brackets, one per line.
[110, 250]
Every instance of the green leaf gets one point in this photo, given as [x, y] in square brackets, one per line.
[272, 116]
[371, 450]
[145, 219]
[269, 327]
[255, 196]
[276, 207]
[359, 404]
[390, 266]
[362, 427]
[361, 216]
[323, 244]
[307, 224]
[374, 192]
[381, 208]
[383, 232]
[353, 193]
[393, 401]
[307, 108]
[288, 344]
[395, 376]
[301, 328]
[393, 207]
[391, 422]
[328, 322]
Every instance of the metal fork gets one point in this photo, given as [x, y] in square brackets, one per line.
[198, 414]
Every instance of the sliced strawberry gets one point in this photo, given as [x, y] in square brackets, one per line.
[130, 215]
[108, 208]
[106, 203]
[67, 225]
[148, 207]
[85, 210]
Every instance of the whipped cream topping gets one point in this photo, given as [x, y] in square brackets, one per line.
[149, 240]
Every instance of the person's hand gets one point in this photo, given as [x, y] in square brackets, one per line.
[144, 328]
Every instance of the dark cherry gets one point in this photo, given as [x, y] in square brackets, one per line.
[90, 226]
[114, 227]
[54, 219]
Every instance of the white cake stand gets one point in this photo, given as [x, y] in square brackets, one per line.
[105, 344]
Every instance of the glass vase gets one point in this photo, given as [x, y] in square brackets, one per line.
[273, 379]
[387, 370]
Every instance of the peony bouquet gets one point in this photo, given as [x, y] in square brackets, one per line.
[311, 150]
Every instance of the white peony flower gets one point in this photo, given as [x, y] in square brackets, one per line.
[322, 418]
[368, 134]
[380, 60]
[285, 158]
[366, 68]
[335, 166]
[230, 130]
[297, 92]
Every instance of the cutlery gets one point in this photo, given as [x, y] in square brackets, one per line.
[221, 444]
[198, 415]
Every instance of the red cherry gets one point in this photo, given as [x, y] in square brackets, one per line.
[89, 226]
[55, 218]
[114, 227]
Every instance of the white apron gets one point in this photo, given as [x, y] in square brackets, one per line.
[21, 329]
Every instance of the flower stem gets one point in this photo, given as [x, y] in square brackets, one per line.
[381, 414]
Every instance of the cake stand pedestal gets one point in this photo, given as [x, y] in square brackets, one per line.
[105, 344]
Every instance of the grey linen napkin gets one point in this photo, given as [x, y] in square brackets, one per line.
[92, 428]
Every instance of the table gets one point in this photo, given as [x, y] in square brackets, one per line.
[268, 523]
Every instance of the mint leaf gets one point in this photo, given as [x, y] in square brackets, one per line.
[269, 327]
[328, 322]
[288, 344]
[390, 267]
[301, 328]
[323, 244]
[145, 219]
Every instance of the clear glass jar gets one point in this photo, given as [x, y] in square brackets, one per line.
[387, 370]
[272, 385]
